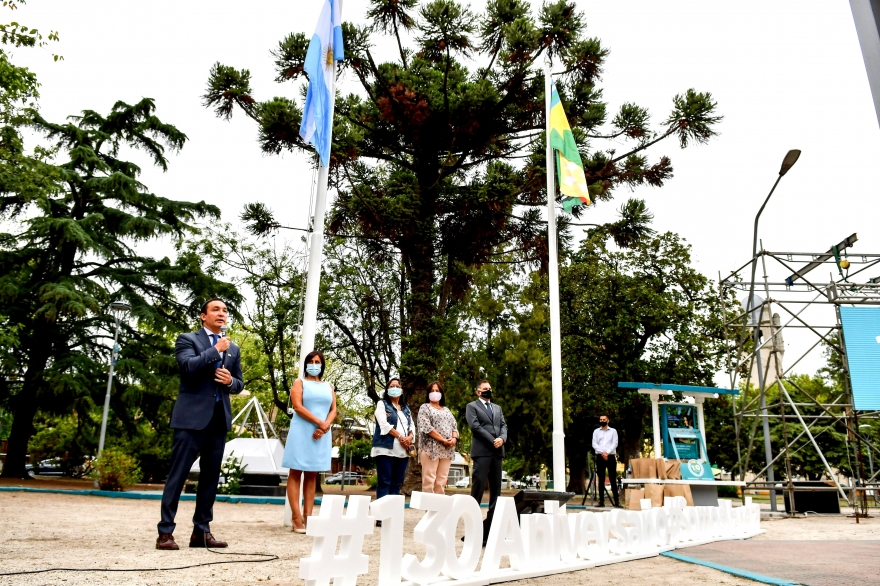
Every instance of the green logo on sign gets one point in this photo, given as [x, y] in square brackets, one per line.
[695, 467]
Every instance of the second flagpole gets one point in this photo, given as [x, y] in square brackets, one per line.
[553, 278]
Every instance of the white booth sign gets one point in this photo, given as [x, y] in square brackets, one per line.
[537, 545]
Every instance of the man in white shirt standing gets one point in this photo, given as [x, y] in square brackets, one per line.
[605, 446]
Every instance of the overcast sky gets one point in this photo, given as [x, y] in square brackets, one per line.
[786, 74]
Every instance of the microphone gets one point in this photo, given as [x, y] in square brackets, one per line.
[223, 335]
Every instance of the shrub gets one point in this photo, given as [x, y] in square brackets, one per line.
[373, 480]
[232, 472]
[728, 491]
[359, 452]
[114, 470]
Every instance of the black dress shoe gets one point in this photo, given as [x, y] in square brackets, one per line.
[205, 540]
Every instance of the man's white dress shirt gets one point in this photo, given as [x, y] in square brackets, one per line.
[605, 440]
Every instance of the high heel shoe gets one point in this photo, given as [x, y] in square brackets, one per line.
[298, 530]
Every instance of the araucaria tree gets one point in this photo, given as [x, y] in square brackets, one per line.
[77, 234]
[438, 153]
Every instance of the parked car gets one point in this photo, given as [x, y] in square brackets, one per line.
[465, 482]
[57, 467]
[518, 484]
[51, 467]
[350, 478]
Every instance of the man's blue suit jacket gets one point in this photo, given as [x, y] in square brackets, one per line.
[197, 357]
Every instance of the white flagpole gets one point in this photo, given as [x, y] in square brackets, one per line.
[553, 266]
[313, 281]
[313, 278]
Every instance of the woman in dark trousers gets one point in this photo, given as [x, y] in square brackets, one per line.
[392, 440]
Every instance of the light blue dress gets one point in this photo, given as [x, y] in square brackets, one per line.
[301, 452]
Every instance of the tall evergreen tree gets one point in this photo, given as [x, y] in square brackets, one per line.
[76, 242]
[439, 154]
[642, 314]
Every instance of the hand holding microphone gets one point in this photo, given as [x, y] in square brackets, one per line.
[221, 375]
[223, 343]
[223, 338]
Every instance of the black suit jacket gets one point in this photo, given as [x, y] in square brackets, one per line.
[196, 357]
[484, 430]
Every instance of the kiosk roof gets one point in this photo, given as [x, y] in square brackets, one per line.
[680, 388]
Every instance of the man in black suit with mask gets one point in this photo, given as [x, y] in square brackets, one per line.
[488, 436]
[210, 370]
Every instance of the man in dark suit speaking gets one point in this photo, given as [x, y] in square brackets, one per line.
[210, 370]
[488, 436]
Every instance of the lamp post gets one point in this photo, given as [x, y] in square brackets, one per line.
[787, 163]
[119, 309]
[870, 457]
[347, 423]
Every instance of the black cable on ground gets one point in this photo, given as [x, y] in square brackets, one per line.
[268, 558]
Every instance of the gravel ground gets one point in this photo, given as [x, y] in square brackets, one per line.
[57, 530]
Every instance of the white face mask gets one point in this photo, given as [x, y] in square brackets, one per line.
[434, 396]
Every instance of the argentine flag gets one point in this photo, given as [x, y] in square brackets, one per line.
[324, 50]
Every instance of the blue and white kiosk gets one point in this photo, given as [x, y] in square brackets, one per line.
[680, 434]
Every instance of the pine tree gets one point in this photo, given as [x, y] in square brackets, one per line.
[439, 154]
[78, 232]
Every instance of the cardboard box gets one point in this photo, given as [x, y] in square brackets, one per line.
[655, 492]
[633, 496]
[679, 490]
[644, 467]
[661, 468]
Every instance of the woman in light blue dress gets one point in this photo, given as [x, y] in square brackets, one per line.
[309, 442]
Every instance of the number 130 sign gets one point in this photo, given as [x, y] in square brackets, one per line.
[540, 544]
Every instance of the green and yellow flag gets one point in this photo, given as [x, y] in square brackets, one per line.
[569, 167]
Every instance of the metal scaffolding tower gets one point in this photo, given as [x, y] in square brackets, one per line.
[808, 301]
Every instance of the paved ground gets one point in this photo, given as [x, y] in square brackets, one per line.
[53, 530]
[817, 563]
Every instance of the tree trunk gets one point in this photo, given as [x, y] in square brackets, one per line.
[24, 409]
[633, 432]
[577, 469]
[418, 362]
[413, 479]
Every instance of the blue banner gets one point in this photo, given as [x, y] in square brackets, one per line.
[861, 334]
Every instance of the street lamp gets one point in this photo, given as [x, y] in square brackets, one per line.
[347, 424]
[787, 163]
[870, 457]
[118, 309]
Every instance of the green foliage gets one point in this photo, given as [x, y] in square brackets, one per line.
[829, 434]
[61, 437]
[728, 491]
[5, 424]
[114, 470]
[82, 223]
[267, 334]
[19, 88]
[721, 432]
[232, 472]
[508, 320]
[439, 160]
[361, 303]
[359, 452]
[638, 314]
[19, 35]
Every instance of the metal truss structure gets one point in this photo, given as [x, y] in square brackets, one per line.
[755, 347]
